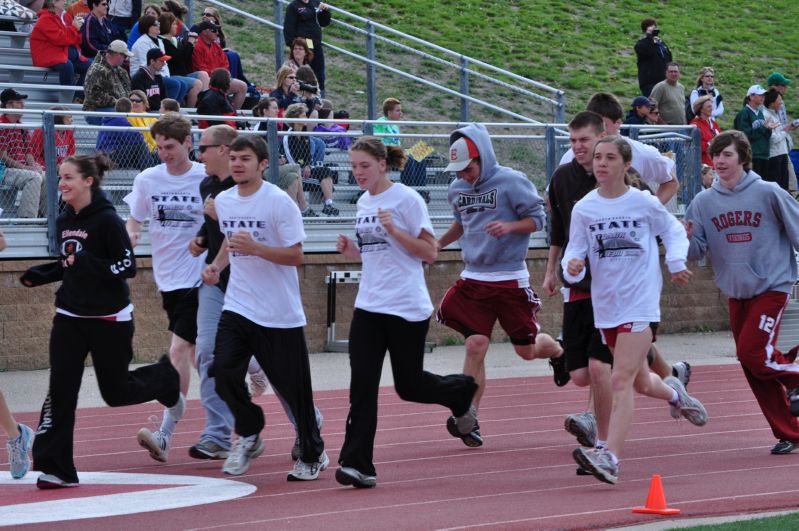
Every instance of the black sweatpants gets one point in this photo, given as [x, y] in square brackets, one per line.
[283, 355]
[371, 334]
[109, 343]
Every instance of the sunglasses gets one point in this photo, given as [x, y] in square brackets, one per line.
[202, 148]
[209, 15]
[136, 100]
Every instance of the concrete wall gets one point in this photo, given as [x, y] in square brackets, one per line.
[26, 313]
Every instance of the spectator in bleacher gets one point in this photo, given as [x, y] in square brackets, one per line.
[290, 182]
[97, 31]
[149, 9]
[652, 56]
[180, 11]
[778, 144]
[78, 7]
[266, 108]
[306, 18]
[414, 173]
[169, 105]
[335, 142]
[140, 104]
[654, 116]
[55, 42]
[208, 56]
[299, 54]
[704, 121]
[106, 81]
[639, 113]
[214, 100]
[234, 59]
[670, 96]
[180, 51]
[64, 139]
[309, 87]
[309, 153]
[706, 86]
[150, 81]
[124, 13]
[177, 87]
[22, 172]
[127, 149]
[287, 91]
[780, 83]
[751, 121]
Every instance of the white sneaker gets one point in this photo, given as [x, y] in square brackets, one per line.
[258, 383]
[686, 406]
[19, 449]
[245, 449]
[308, 471]
[154, 442]
[682, 371]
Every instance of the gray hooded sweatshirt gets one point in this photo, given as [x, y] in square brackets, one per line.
[751, 232]
[499, 194]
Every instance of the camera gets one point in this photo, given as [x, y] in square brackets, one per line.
[305, 87]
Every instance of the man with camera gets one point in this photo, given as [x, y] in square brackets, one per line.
[208, 56]
[653, 55]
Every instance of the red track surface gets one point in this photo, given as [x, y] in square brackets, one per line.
[522, 478]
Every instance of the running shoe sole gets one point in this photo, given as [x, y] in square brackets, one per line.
[581, 457]
[471, 439]
[582, 437]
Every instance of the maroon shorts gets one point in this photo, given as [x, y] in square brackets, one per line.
[472, 307]
[609, 335]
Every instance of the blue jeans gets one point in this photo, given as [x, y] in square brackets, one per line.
[175, 88]
[218, 418]
[66, 71]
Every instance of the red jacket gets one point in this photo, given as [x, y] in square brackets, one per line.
[208, 57]
[708, 132]
[50, 39]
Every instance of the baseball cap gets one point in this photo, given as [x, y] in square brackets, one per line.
[778, 79]
[204, 25]
[755, 90]
[640, 101]
[119, 47]
[461, 153]
[156, 53]
[10, 94]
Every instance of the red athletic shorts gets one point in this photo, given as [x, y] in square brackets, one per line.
[609, 334]
[473, 306]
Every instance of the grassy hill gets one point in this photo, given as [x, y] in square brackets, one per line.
[579, 46]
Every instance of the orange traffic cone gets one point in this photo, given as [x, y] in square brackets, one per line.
[656, 500]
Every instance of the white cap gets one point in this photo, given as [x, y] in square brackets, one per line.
[755, 90]
[461, 153]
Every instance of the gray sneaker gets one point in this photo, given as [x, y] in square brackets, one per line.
[582, 426]
[682, 371]
[687, 406]
[303, 471]
[154, 442]
[245, 449]
[208, 450]
[599, 462]
[258, 383]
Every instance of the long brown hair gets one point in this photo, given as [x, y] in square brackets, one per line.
[394, 156]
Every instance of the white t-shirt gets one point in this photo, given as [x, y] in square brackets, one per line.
[654, 168]
[264, 292]
[392, 281]
[618, 237]
[174, 208]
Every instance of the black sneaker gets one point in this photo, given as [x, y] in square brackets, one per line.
[793, 398]
[784, 447]
[583, 471]
[560, 373]
[471, 439]
[349, 476]
[310, 213]
[330, 210]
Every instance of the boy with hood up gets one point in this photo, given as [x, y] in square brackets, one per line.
[496, 209]
[750, 227]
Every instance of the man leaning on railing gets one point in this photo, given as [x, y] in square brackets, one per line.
[21, 171]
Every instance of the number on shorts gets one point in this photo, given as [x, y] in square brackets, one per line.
[766, 323]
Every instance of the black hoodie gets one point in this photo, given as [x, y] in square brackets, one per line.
[94, 285]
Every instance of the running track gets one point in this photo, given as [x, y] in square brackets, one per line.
[522, 478]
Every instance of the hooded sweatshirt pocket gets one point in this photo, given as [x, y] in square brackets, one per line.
[739, 281]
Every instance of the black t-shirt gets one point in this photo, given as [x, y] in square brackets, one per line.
[152, 85]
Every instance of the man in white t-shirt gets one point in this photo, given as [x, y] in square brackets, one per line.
[262, 314]
[168, 196]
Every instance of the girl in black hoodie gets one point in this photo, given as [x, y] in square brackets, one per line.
[93, 315]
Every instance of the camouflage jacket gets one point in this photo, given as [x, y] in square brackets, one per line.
[104, 84]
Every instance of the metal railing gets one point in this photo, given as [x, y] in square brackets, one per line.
[546, 103]
[534, 149]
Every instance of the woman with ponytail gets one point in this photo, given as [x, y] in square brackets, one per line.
[93, 315]
[392, 310]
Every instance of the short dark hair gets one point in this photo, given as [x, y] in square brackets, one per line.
[254, 143]
[147, 21]
[172, 125]
[220, 79]
[771, 96]
[646, 23]
[123, 105]
[672, 63]
[734, 138]
[605, 105]
[389, 104]
[587, 119]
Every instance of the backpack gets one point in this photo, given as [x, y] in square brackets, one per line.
[689, 111]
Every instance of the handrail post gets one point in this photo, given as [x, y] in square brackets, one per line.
[51, 184]
[273, 142]
[190, 7]
[464, 61]
[560, 108]
[278, 35]
[693, 170]
[551, 151]
[371, 82]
